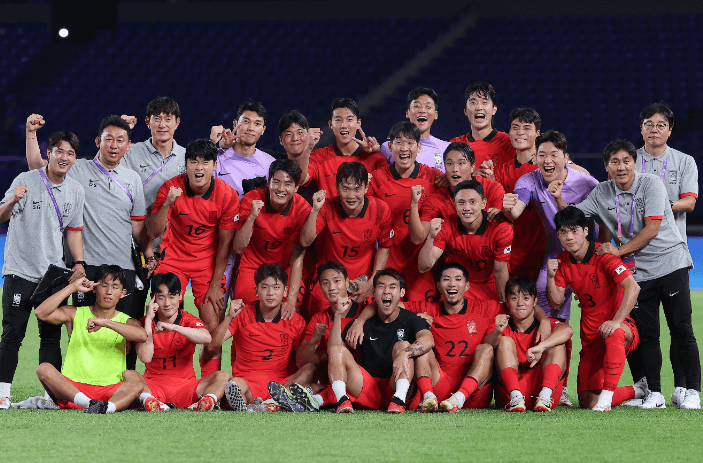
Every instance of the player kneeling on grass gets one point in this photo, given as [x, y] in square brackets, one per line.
[608, 292]
[527, 367]
[263, 343]
[394, 338]
[94, 375]
[172, 335]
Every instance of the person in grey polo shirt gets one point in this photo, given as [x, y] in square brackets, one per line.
[636, 210]
[679, 173]
[44, 207]
[114, 210]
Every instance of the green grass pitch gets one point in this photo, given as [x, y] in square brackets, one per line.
[565, 435]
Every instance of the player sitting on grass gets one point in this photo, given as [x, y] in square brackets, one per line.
[172, 335]
[394, 338]
[519, 353]
[608, 292]
[262, 342]
[93, 375]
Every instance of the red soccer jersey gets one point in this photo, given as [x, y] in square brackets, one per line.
[441, 203]
[192, 233]
[476, 251]
[457, 335]
[264, 346]
[596, 281]
[324, 163]
[496, 146]
[390, 188]
[525, 339]
[529, 239]
[274, 234]
[326, 317]
[173, 352]
[351, 241]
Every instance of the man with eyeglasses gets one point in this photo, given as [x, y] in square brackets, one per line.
[635, 208]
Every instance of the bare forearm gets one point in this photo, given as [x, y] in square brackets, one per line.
[650, 230]
[33, 153]
[296, 272]
[145, 350]
[424, 343]
[500, 272]
[46, 309]
[629, 299]
[222, 258]
[129, 332]
[417, 229]
[6, 210]
[555, 295]
[243, 236]
[561, 334]
[74, 238]
[309, 231]
[157, 222]
[195, 335]
[426, 258]
[380, 260]
[685, 204]
[306, 353]
[335, 338]
[219, 334]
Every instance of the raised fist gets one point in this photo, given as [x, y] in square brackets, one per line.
[35, 122]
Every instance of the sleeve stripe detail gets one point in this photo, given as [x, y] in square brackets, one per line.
[74, 229]
[683, 195]
[655, 217]
[137, 217]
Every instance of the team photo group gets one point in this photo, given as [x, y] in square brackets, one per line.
[391, 272]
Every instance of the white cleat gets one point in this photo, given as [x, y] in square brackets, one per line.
[653, 400]
[5, 403]
[678, 396]
[641, 391]
[564, 399]
[691, 401]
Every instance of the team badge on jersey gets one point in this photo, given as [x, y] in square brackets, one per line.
[284, 340]
[178, 341]
[288, 231]
[620, 269]
[594, 280]
[471, 325]
[367, 235]
[213, 216]
[401, 334]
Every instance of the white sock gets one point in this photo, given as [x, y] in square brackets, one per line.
[214, 397]
[515, 393]
[458, 395]
[428, 395]
[81, 400]
[605, 398]
[143, 396]
[546, 392]
[111, 408]
[340, 389]
[5, 389]
[318, 399]
[401, 389]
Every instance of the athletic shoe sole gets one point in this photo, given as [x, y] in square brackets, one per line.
[235, 399]
[280, 395]
[303, 397]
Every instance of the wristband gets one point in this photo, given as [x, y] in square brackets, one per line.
[82, 262]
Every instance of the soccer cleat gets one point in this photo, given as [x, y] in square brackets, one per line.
[678, 396]
[544, 404]
[641, 388]
[516, 405]
[691, 400]
[303, 396]
[152, 404]
[234, 397]
[451, 405]
[5, 403]
[429, 405]
[396, 406]
[564, 399]
[283, 398]
[344, 405]
[653, 400]
[98, 406]
[205, 404]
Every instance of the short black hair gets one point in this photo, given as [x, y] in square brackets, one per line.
[570, 217]
[344, 103]
[201, 148]
[618, 145]
[332, 265]
[288, 166]
[354, 171]
[452, 265]
[518, 285]
[406, 129]
[257, 107]
[557, 138]
[114, 271]
[463, 148]
[526, 116]
[655, 108]
[472, 184]
[483, 89]
[419, 91]
[57, 137]
[163, 105]
[170, 280]
[390, 272]
[270, 270]
[114, 121]
[290, 118]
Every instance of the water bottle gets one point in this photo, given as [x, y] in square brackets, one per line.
[354, 286]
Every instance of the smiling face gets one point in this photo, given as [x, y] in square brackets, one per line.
[352, 195]
[271, 292]
[458, 168]
[281, 189]
[521, 305]
[404, 151]
[168, 303]
[551, 161]
[162, 127]
[113, 144]
[621, 168]
[334, 285]
[387, 293]
[344, 124]
[480, 111]
[108, 292]
[200, 172]
[523, 135]
[251, 127]
[655, 131]
[572, 238]
[452, 285]
[61, 158]
[469, 206]
[422, 113]
[294, 139]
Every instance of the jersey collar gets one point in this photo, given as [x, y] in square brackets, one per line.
[489, 137]
[352, 311]
[481, 230]
[461, 312]
[260, 316]
[529, 330]
[518, 165]
[177, 321]
[359, 151]
[414, 174]
[269, 208]
[587, 257]
[208, 193]
[343, 213]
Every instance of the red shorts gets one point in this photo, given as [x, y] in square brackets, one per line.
[179, 391]
[447, 385]
[530, 386]
[591, 375]
[375, 393]
[258, 383]
[94, 392]
[199, 280]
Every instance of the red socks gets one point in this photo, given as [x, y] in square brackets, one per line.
[622, 394]
[424, 383]
[550, 375]
[328, 396]
[468, 386]
[614, 360]
[509, 378]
